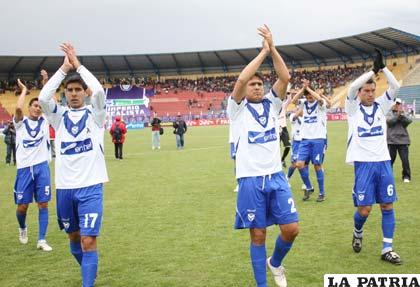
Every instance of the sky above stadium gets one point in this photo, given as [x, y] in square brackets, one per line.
[115, 27]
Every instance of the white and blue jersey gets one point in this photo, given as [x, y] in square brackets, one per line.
[264, 197]
[313, 131]
[80, 169]
[314, 124]
[256, 132]
[32, 142]
[366, 140]
[32, 157]
[367, 144]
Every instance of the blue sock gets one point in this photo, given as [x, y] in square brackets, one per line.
[304, 174]
[76, 250]
[21, 217]
[42, 223]
[320, 178]
[359, 221]
[89, 268]
[291, 171]
[388, 226]
[258, 257]
[280, 250]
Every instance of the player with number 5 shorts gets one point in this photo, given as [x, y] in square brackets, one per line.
[33, 172]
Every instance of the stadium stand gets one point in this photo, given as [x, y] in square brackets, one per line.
[410, 90]
[197, 83]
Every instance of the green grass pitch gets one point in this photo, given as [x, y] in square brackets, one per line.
[168, 220]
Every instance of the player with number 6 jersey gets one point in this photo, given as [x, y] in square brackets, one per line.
[367, 151]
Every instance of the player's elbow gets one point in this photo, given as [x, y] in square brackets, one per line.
[286, 79]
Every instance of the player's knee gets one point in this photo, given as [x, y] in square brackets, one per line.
[364, 211]
[88, 243]
[290, 232]
[258, 236]
[317, 167]
[22, 208]
[74, 236]
[42, 205]
[386, 206]
[300, 164]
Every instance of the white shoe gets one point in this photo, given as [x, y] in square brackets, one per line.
[278, 273]
[406, 180]
[23, 235]
[43, 245]
[153, 147]
[236, 188]
[158, 147]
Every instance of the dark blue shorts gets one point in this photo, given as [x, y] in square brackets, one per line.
[80, 209]
[374, 183]
[33, 182]
[264, 201]
[312, 150]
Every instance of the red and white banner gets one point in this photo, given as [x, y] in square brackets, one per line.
[214, 122]
[337, 117]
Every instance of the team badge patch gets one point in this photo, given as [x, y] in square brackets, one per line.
[251, 216]
[262, 120]
[74, 130]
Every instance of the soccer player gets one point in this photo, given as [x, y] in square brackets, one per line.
[264, 196]
[367, 150]
[296, 121]
[314, 135]
[33, 172]
[284, 133]
[80, 169]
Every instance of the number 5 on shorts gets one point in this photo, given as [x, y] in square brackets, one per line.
[93, 217]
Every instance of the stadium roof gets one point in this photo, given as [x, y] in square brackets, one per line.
[345, 50]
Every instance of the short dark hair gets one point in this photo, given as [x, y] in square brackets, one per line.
[305, 92]
[32, 100]
[259, 76]
[75, 78]
[370, 81]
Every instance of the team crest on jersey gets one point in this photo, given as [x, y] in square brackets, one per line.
[19, 196]
[361, 197]
[66, 225]
[74, 130]
[33, 133]
[370, 120]
[262, 120]
[251, 216]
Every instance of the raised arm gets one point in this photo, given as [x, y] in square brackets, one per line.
[238, 93]
[283, 76]
[44, 76]
[46, 99]
[392, 83]
[297, 96]
[98, 94]
[20, 102]
[316, 96]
